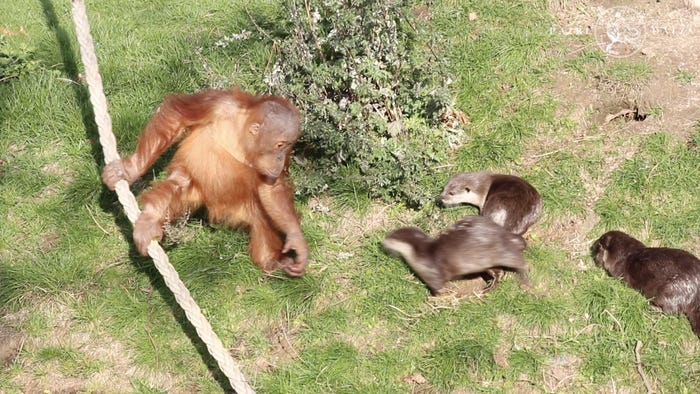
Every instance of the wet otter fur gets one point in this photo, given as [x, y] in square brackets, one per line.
[508, 200]
[473, 244]
[669, 277]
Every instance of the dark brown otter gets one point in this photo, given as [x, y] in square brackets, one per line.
[508, 200]
[472, 245]
[669, 277]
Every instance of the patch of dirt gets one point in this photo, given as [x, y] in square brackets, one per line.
[571, 234]
[339, 296]
[48, 240]
[348, 228]
[117, 366]
[692, 245]
[414, 379]
[11, 342]
[53, 382]
[351, 225]
[182, 229]
[612, 114]
[560, 372]
[506, 324]
[669, 41]
[455, 291]
[282, 347]
[348, 225]
[53, 189]
[374, 339]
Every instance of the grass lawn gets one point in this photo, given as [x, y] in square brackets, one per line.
[81, 311]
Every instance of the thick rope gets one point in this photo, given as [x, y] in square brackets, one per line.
[160, 259]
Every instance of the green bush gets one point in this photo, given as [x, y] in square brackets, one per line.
[374, 93]
[15, 60]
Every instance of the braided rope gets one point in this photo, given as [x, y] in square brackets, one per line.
[127, 199]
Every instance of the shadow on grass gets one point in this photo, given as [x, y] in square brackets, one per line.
[68, 55]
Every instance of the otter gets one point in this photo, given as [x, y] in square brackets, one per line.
[508, 200]
[669, 277]
[474, 244]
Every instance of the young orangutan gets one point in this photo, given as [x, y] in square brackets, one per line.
[233, 159]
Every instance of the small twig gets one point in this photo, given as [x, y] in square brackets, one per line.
[638, 360]
[274, 275]
[588, 138]
[19, 350]
[290, 348]
[252, 20]
[415, 316]
[205, 64]
[274, 53]
[293, 352]
[443, 166]
[619, 326]
[92, 216]
[68, 80]
[546, 154]
[312, 27]
[339, 302]
[581, 48]
[611, 117]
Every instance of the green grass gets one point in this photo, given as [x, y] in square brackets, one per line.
[655, 192]
[628, 71]
[683, 76]
[497, 63]
[359, 322]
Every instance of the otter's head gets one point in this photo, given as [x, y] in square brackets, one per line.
[466, 188]
[611, 250]
[407, 242]
[415, 247]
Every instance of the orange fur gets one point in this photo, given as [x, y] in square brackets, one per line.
[232, 159]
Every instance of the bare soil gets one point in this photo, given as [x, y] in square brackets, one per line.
[670, 38]
[612, 115]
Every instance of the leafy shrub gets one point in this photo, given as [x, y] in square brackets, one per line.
[15, 60]
[374, 94]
